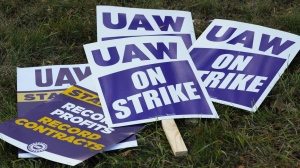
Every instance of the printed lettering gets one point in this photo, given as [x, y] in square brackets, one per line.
[107, 20]
[29, 97]
[136, 102]
[96, 118]
[82, 75]
[75, 92]
[240, 82]
[156, 76]
[167, 22]
[256, 82]
[213, 79]
[66, 77]
[140, 80]
[101, 61]
[247, 39]
[83, 95]
[275, 43]
[164, 95]
[39, 78]
[52, 95]
[151, 98]
[121, 111]
[68, 106]
[41, 95]
[212, 35]
[155, 98]
[134, 52]
[239, 63]
[191, 92]
[232, 81]
[161, 50]
[140, 21]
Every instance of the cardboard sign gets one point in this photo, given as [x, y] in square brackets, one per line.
[36, 85]
[119, 22]
[113, 23]
[67, 129]
[144, 79]
[239, 63]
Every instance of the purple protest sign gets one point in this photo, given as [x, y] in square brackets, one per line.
[120, 22]
[36, 85]
[153, 79]
[67, 129]
[239, 63]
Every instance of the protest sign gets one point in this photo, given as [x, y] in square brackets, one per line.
[153, 78]
[239, 63]
[122, 22]
[119, 22]
[36, 85]
[67, 129]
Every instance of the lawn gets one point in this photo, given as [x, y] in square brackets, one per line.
[46, 32]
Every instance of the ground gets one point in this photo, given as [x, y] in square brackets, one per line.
[44, 32]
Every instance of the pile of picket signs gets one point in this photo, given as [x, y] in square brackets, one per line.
[146, 66]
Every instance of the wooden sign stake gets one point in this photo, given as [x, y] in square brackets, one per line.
[174, 138]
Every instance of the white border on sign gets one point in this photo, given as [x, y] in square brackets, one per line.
[103, 31]
[121, 145]
[288, 54]
[29, 81]
[99, 71]
[44, 154]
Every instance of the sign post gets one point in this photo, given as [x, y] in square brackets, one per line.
[174, 137]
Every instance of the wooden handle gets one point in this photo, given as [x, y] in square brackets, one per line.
[174, 138]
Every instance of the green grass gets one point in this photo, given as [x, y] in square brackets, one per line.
[45, 32]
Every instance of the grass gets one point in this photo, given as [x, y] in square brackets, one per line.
[44, 32]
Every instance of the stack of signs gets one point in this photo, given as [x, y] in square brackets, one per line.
[142, 71]
[152, 77]
[71, 127]
[239, 63]
[36, 85]
[68, 129]
[119, 22]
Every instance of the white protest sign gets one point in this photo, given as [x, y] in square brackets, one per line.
[144, 79]
[239, 63]
[120, 22]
